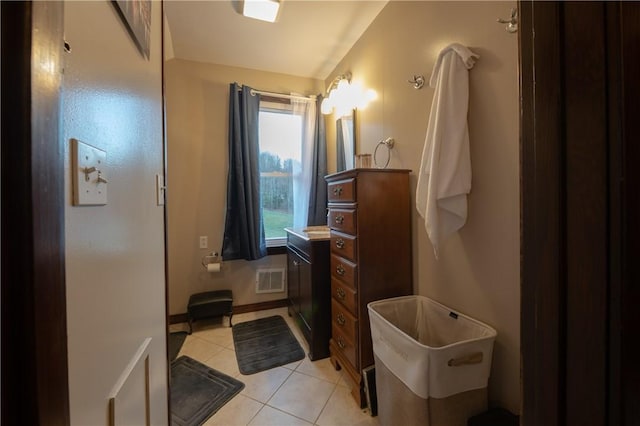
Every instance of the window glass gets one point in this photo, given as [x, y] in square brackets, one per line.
[280, 154]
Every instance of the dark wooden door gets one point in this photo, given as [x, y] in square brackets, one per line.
[580, 97]
[34, 329]
[300, 288]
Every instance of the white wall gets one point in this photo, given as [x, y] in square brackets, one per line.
[478, 272]
[112, 99]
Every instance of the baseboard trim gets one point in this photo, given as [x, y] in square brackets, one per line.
[272, 304]
[177, 318]
[240, 309]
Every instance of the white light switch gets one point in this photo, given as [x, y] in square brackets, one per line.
[89, 174]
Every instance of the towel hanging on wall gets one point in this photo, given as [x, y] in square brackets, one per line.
[444, 179]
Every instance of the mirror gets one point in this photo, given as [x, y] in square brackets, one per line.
[345, 142]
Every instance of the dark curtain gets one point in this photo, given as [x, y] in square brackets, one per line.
[341, 163]
[243, 230]
[318, 192]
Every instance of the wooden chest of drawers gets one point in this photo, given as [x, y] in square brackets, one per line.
[370, 221]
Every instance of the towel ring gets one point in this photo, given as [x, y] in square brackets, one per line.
[389, 142]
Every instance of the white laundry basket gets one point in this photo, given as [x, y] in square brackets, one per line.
[432, 364]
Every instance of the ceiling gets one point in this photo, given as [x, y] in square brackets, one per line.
[309, 38]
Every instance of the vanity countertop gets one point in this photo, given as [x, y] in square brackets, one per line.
[310, 233]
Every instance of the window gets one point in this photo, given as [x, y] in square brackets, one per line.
[280, 138]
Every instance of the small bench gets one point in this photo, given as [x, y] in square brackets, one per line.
[209, 304]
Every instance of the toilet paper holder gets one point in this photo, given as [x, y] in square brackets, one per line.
[212, 257]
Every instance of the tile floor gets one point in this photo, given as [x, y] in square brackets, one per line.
[300, 393]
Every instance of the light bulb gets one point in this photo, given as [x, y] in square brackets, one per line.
[342, 110]
[343, 85]
[356, 88]
[332, 96]
[325, 106]
[356, 93]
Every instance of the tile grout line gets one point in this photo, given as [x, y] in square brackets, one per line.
[288, 414]
[257, 412]
[265, 404]
[281, 384]
[335, 387]
[316, 377]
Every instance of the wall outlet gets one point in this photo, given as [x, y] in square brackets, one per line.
[204, 242]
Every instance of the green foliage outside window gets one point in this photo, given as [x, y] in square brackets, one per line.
[276, 192]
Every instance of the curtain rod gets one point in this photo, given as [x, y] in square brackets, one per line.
[281, 95]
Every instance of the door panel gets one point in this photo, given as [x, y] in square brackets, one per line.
[580, 97]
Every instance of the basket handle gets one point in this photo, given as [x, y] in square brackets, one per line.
[473, 358]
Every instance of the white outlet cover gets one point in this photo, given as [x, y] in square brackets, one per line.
[204, 242]
[88, 190]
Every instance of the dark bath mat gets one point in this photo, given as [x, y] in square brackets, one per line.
[175, 343]
[265, 343]
[198, 391]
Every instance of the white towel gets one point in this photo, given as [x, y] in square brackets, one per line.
[444, 179]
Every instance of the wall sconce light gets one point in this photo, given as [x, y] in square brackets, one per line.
[344, 96]
[264, 10]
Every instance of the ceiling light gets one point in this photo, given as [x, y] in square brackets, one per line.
[264, 10]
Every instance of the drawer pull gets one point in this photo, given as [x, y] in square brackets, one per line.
[337, 191]
[340, 319]
[340, 243]
[341, 344]
[340, 270]
[339, 219]
[341, 294]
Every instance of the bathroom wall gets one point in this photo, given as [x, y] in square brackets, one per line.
[115, 280]
[197, 101]
[478, 269]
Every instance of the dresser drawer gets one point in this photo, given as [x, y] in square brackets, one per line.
[343, 320]
[342, 220]
[342, 190]
[343, 245]
[345, 346]
[345, 295]
[343, 270]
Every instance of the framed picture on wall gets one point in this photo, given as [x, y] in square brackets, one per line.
[136, 15]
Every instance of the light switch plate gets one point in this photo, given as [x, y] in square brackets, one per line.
[89, 174]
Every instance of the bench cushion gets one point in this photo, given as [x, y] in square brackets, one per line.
[210, 304]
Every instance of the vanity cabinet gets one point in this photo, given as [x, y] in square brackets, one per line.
[370, 227]
[309, 290]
